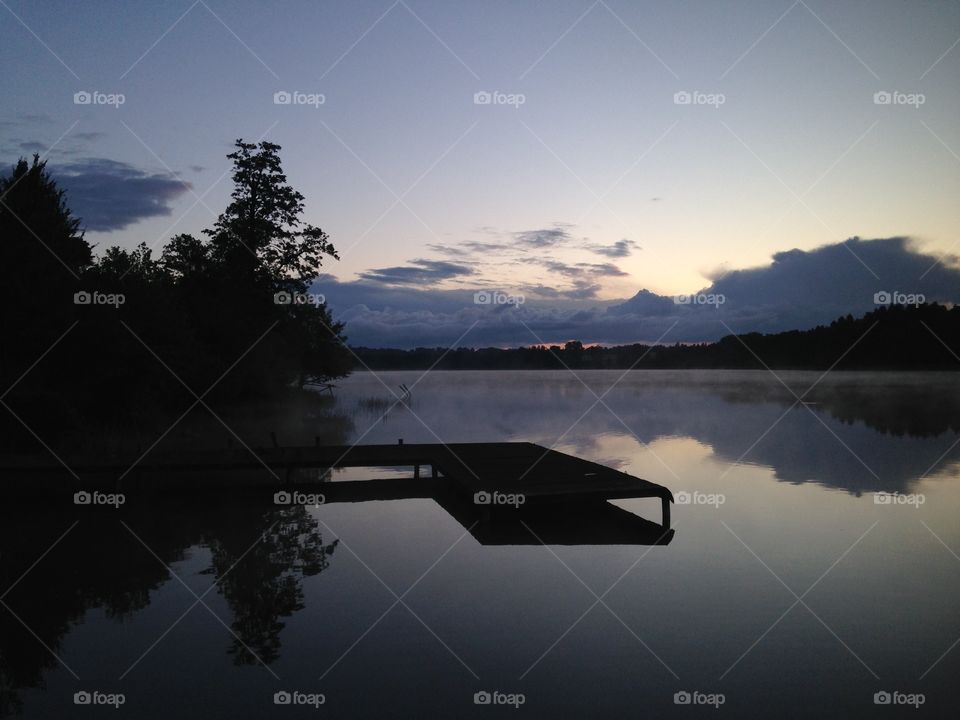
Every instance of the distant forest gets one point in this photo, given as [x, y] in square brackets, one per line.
[926, 337]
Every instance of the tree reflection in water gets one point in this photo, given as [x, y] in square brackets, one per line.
[260, 555]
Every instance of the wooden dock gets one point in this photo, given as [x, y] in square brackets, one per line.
[488, 475]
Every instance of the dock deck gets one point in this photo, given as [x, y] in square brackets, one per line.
[485, 473]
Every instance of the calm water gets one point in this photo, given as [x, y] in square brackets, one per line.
[787, 588]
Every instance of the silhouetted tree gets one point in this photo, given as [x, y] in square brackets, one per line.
[261, 231]
[42, 255]
[207, 309]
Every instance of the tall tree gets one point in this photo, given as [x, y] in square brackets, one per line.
[42, 256]
[261, 232]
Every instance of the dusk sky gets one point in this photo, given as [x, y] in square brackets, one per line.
[626, 146]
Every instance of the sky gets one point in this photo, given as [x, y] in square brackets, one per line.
[583, 163]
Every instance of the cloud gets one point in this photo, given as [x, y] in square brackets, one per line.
[109, 195]
[602, 269]
[620, 249]
[544, 237]
[33, 147]
[803, 288]
[89, 136]
[448, 250]
[424, 272]
[582, 290]
[577, 271]
[482, 247]
[798, 289]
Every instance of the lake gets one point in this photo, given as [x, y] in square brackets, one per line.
[814, 569]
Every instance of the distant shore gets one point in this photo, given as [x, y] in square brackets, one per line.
[895, 338]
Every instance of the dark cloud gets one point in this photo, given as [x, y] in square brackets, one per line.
[33, 147]
[420, 272]
[88, 136]
[577, 271]
[451, 250]
[620, 249]
[803, 288]
[110, 195]
[482, 247]
[797, 290]
[197, 168]
[582, 290]
[601, 269]
[544, 238]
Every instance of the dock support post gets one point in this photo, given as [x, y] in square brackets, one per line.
[665, 503]
[416, 472]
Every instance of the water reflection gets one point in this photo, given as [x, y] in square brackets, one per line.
[861, 432]
[98, 565]
[593, 522]
[699, 603]
[259, 556]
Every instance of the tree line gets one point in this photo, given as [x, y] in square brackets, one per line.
[221, 316]
[926, 337]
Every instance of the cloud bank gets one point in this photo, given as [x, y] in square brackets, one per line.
[799, 289]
